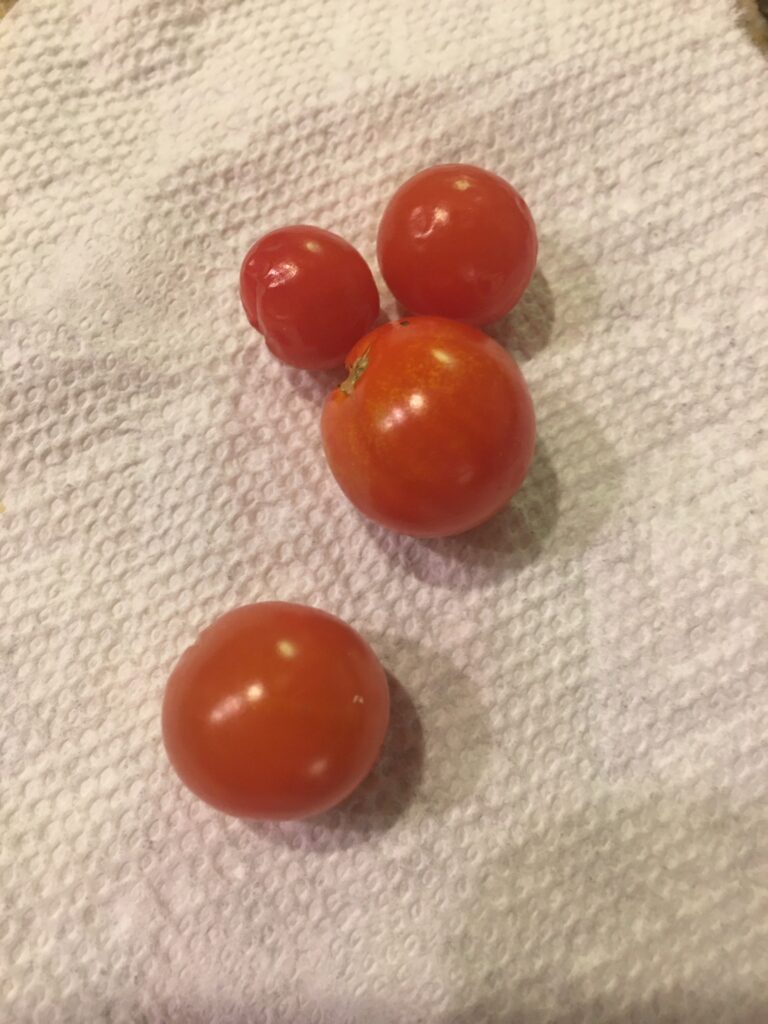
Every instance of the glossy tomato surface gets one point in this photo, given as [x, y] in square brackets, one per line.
[433, 430]
[278, 711]
[310, 293]
[457, 241]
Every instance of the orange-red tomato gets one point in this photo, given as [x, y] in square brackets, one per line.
[457, 241]
[278, 711]
[433, 430]
[310, 293]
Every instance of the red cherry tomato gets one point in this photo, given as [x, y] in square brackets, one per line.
[310, 293]
[433, 430]
[278, 711]
[457, 241]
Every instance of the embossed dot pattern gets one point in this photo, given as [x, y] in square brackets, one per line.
[568, 823]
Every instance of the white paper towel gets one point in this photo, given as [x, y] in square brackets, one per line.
[569, 822]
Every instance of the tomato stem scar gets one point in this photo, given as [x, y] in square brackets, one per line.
[356, 372]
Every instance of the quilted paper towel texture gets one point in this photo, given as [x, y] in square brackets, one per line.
[568, 823]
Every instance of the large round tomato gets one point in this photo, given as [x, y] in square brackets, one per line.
[278, 711]
[310, 293]
[457, 241]
[433, 430]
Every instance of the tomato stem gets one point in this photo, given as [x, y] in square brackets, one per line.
[356, 371]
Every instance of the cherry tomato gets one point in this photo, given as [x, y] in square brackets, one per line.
[278, 711]
[310, 293]
[457, 241]
[433, 430]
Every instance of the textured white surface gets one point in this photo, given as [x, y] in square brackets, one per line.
[569, 824]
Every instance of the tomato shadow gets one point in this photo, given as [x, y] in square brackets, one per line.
[511, 540]
[411, 778]
[556, 313]
[560, 303]
[379, 801]
[314, 387]
[391, 787]
[571, 490]
[527, 329]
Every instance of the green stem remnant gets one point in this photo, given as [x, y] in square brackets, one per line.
[356, 372]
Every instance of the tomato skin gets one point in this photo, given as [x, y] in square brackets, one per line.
[457, 241]
[310, 293]
[436, 433]
[278, 711]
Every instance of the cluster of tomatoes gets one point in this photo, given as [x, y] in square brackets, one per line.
[433, 429]
[280, 710]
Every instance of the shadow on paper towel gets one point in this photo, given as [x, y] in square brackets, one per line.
[572, 488]
[433, 758]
